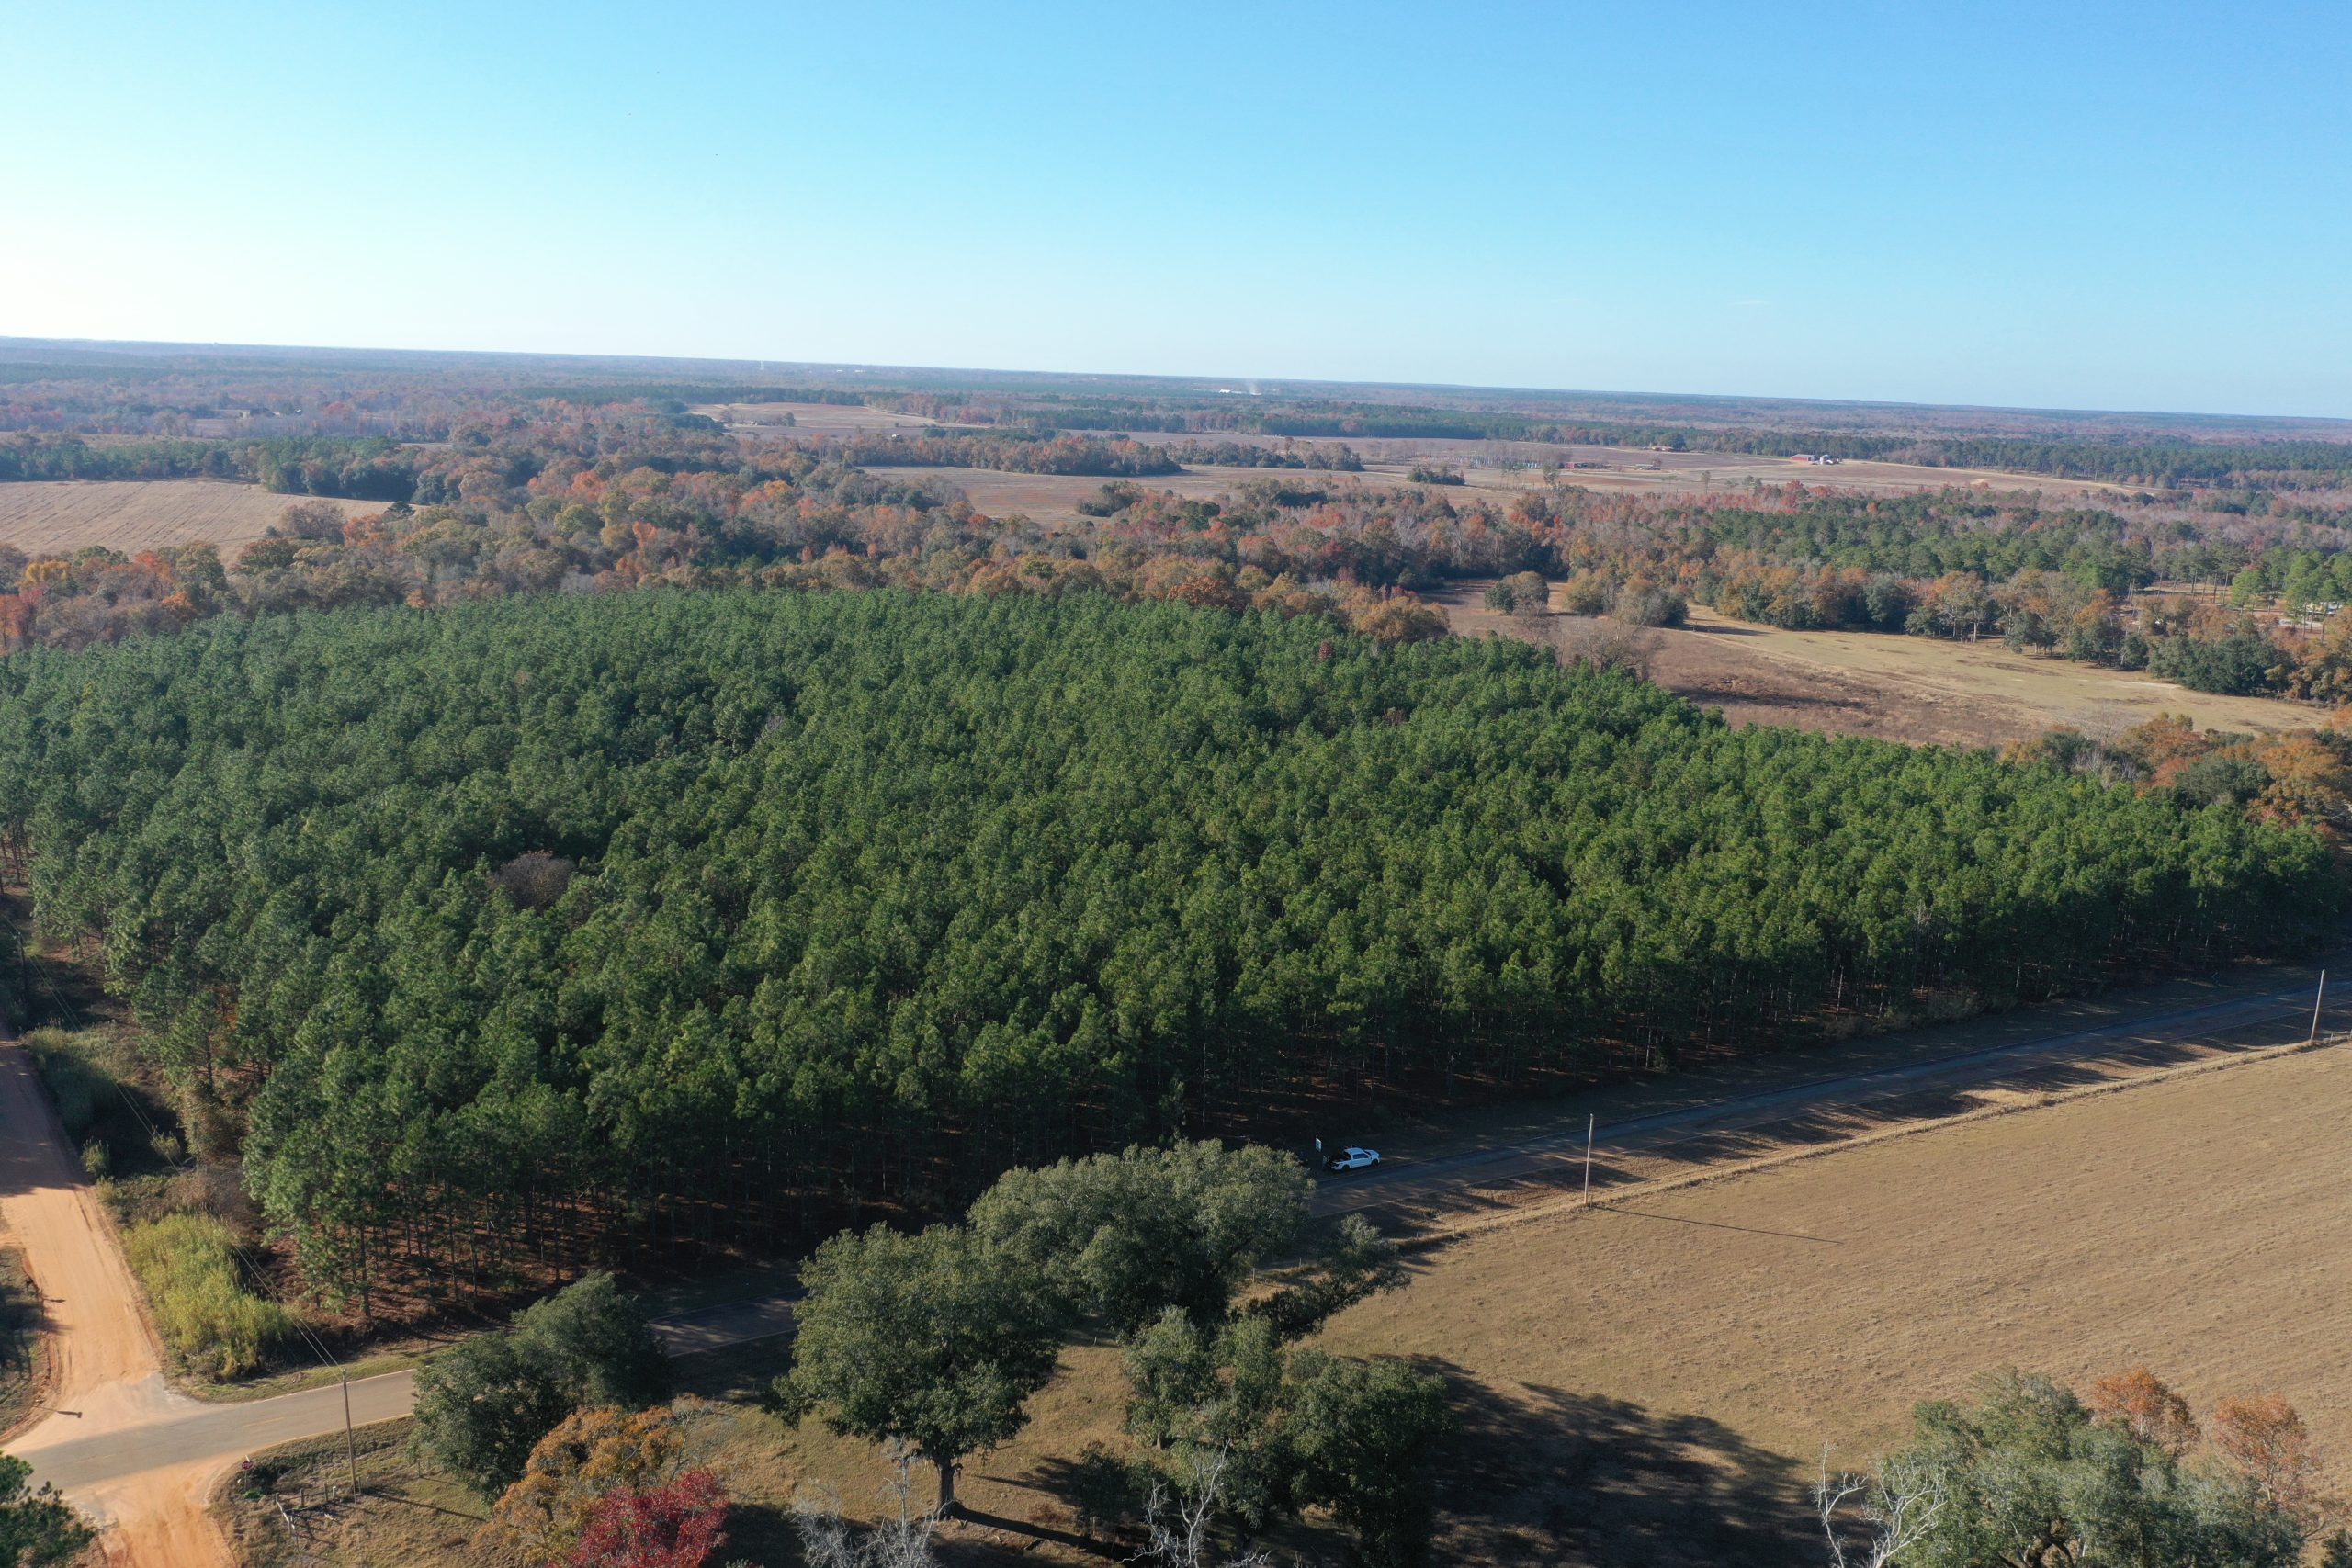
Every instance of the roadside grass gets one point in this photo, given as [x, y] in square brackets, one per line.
[291, 1507]
[196, 1291]
[120, 1126]
[290, 1375]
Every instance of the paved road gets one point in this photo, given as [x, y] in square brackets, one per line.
[2265, 1018]
[175, 1430]
[159, 1440]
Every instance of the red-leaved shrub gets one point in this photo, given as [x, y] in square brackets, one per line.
[678, 1525]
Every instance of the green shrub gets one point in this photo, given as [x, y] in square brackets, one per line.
[82, 1091]
[189, 1266]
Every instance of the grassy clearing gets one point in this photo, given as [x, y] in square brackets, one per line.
[1912, 689]
[411, 1514]
[203, 1308]
[292, 1506]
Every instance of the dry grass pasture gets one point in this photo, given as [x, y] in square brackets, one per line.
[46, 518]
[810, 419]
[1898, 688]
[1652, 1382]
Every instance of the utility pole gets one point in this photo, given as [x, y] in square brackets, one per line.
[2317, 1002]
[350, 1440]
[1589, 1118]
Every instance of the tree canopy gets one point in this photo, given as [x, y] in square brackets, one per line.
[516, 928]
[935, 1340]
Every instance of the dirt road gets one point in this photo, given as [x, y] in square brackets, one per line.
[106, 1380]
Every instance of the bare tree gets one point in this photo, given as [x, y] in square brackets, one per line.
[1605, 645]
[1897, 1504]
[1177, 1519]
[903, 1539]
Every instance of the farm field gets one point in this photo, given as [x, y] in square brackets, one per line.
[130, 515]
[1655, 1381]
[1899, 688]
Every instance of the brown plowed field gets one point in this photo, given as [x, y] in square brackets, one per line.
[1653, 1380]
[130, 515]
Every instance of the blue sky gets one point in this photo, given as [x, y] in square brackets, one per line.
[2077, 205]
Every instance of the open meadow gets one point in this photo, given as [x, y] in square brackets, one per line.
[130, 515]
[1899, 688]
[810, 420]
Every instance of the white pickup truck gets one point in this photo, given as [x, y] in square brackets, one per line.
[1352, 1160]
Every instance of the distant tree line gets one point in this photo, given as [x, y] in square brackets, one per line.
[622, 494]
[365, 468]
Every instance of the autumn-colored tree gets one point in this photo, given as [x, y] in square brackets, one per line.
[681, 1524]
[2140, 1403]
[2323, 666]
[1398, 621]
[2309, 780]
[2168, 741]
[541, 1518]
[1957, 605]
[2265, 1438]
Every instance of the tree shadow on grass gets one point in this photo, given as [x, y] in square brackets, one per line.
[1540, 1475]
